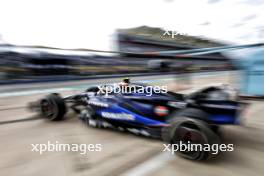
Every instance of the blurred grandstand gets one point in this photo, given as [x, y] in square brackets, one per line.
[147, 39]
[29, 62]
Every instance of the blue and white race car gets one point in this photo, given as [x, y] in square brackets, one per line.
[193, 117]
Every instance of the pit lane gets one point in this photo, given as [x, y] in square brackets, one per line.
[122, 153]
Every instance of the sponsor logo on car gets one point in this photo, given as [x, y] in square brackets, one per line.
[177, 104]
[118, 116]
[97, 103]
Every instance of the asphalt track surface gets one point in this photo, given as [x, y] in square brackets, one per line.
[122, 153]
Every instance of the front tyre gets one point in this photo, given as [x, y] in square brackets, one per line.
[53, 107]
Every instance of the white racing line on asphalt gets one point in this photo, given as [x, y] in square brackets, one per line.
[32, 92]
[69, 88]
[150, 166]
[83, 87]
[52, 90]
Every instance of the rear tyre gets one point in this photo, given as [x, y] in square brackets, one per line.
[53, 107]
[188, 131]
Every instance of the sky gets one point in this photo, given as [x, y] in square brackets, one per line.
[91, 24]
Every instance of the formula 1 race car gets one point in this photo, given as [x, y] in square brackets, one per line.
[193, 117]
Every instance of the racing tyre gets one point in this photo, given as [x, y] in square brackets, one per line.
[185, 131]
[53, 107]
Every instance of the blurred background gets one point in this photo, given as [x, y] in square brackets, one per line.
[42, 63]
[38, 37]
[66, 46]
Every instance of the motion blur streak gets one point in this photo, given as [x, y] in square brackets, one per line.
[122, 153]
